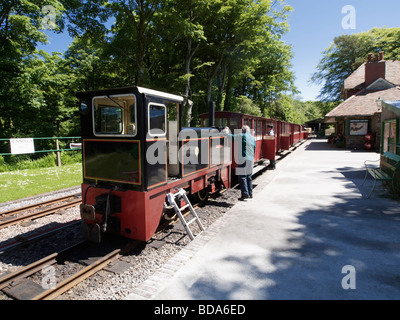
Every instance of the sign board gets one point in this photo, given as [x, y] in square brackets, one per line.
[22, 146]
[358, 127]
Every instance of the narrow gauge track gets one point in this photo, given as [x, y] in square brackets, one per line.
[73, 280]
[24, 240]
[12, 217]
[66, 284]
[17, 276]
[78, 277]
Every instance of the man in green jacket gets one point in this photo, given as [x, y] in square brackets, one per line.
[244, 157]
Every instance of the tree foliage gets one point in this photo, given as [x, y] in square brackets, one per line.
[347, 53]
[227, 51]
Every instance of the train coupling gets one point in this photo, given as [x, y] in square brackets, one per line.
[91, 230]
[88, 212]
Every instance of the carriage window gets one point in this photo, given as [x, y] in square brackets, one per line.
[114, 115]
[265, 128]
[221, 122]
[233, 124]
[157, 119]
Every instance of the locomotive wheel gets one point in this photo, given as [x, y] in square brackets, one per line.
[202, 195]
[169, 215]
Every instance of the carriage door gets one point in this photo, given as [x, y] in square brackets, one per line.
[173, 125]
[156, 145]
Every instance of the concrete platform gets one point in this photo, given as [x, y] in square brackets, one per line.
[308, 233]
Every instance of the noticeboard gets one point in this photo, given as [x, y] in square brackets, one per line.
[22, 146]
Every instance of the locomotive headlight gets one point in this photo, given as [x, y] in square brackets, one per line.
[83, 108]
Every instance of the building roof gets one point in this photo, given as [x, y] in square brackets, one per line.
[393, 106]
[364, 103]
[357, 78]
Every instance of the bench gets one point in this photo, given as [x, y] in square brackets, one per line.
[389, 164]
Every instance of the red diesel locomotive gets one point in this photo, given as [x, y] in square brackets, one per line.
[135, 151]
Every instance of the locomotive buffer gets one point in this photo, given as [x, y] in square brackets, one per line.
[182, 194]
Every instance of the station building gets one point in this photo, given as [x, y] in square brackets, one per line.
[359, 117]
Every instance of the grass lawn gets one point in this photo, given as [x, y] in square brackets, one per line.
[25, 183]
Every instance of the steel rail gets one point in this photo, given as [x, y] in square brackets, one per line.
[35, 215]
[27, 270]
[78, 277]
[32, 206]
[22, 240]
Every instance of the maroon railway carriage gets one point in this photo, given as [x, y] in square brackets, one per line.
[304, 132]
[266, 145]
[286, 134]
[135, 152]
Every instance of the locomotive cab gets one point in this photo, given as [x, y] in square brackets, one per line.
[135, 152]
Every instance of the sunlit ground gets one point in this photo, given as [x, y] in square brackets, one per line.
[24, 183]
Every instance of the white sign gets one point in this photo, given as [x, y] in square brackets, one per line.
[21, 146]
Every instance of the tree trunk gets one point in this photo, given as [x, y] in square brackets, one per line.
[221, 85]
[186, 105]
[212, 74]
[228, 93]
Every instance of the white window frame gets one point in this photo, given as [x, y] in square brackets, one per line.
[148, 119]
[123, 114]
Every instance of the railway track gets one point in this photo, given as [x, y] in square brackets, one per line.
[78, 277]
[17, 285]
[9, 280]
[19, 215]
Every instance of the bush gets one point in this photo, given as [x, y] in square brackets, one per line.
[21, 162]
[70, 157]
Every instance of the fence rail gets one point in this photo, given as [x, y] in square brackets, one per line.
[20, 146]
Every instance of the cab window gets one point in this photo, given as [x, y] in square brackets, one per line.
[114, 115]
[157, 119]
[108, 119]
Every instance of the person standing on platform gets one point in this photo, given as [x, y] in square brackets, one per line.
[245, 160]
[272, 163]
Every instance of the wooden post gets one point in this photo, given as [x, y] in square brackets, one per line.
[58, 154]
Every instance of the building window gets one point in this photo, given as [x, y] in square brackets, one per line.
[389, 136]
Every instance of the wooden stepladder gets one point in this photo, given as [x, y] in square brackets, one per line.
[172, 197]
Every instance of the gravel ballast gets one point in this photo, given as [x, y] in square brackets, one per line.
[140, 263]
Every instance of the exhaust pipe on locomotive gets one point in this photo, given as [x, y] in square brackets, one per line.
[211, 110]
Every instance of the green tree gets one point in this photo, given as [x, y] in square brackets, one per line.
[21, 29]
[137, 15]
[245, 53]
[229, 51]
[347, 53]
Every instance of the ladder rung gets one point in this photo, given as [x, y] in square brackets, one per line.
[178, 210]
[191, 221]
[184, 207]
